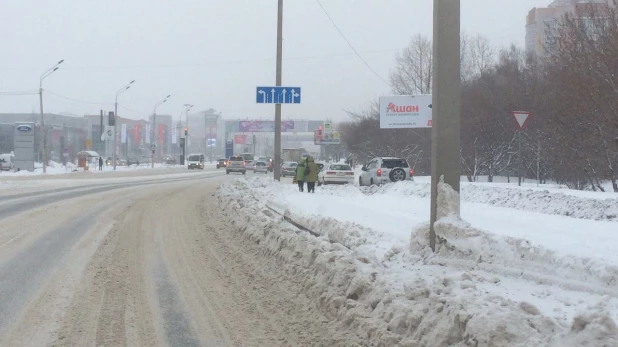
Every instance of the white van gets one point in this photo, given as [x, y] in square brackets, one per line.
[6, 160]
[195, 161]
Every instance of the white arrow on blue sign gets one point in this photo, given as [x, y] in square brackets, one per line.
[278, 95]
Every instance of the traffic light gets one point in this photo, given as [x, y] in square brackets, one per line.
[186, 131]
[111, 119]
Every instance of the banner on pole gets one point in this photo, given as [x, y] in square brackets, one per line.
[147, 133]
[123, 133]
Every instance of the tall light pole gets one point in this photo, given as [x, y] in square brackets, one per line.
[116, 119]
[43, 137]
[154, 124]
[187, 108]
[446, 100]
[277, 168]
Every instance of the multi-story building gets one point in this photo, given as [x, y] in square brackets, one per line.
[542, 23]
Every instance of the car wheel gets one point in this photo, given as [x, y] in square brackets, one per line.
[397, 175]
[360, 182]
[244, 172]
[227, 172]
[371, 182]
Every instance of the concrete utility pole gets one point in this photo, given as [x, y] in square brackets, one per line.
[116, 120]
[154, 124]
[188, 107]
[277, 163]
[446, 100]
[43, 133]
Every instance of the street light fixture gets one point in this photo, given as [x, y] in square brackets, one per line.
[116, 119]
[154, 123]
[43, 137]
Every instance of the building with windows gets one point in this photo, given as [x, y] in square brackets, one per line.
[65, 135]
[542, 23]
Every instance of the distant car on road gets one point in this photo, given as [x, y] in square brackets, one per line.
[132, 161]
[288, 168]
[261, 166]
[336, 174]
[384, 170]
[236, 163]
[221, 162]
[195, 161]
[121, 162]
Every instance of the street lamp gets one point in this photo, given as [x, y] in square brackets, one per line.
[43, 137]
[154, 123]
[122, 90]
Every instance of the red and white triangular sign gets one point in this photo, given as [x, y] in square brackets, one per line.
[521, 117]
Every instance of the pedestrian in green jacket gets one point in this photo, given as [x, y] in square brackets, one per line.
[311, 174]
[300, 175]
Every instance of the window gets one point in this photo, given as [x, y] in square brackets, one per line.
[393, 163]
[340, 167]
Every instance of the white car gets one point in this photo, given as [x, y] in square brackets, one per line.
[384, 170]
[260, 166]
[250, 164]
[336, 174]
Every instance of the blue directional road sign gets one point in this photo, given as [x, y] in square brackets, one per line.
[278, 95]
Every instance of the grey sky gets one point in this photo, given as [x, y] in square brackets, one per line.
[213, 53]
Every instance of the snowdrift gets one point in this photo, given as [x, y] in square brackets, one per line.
[603, 208]
[410, 296]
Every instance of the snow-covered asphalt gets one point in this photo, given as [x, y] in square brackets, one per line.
[142, 260]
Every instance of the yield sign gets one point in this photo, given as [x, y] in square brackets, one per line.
[521, 117]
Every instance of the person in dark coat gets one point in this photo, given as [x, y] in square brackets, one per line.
[300, 174]
[100, 164]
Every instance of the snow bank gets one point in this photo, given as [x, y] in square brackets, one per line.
[409, 296]
[544, 201]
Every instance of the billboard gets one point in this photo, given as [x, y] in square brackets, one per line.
[405, 111]
[240, 139]
[255, 126]
[326, 137]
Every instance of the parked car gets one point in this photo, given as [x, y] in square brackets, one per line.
[336, 174]
[6, 162]
[236, 163]
[132, 161]
[288, 168]
[384, 170]
[222, 162]
[260, 166]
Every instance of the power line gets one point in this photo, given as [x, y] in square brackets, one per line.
[24, 92]
[350, 44]
[89, 102]
[79, 101]
[214, 63]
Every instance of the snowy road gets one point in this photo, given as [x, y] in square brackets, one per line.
[144, 263]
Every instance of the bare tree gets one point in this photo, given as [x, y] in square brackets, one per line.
[413, 69]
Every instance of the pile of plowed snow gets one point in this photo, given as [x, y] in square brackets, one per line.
[410, 296]
[604, 207]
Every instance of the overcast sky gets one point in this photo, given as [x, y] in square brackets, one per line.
[213, 53]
